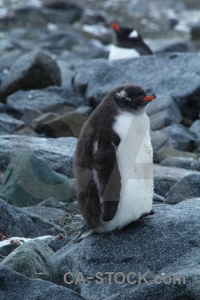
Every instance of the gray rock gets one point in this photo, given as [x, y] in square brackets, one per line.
[7, 249]
[163, 112]
[9, 58]
[163, 75]
[56, 153]
[186, 188]
[24, 224]
[181, 162]
[48, 213]
[51, 99]
[169, 45]
[144, 246]
[195, 127]
[195, 32]
[57, 243]
[51, 202]
[33, 289]
[165, 152]
[29, 259]
[28, 181]
[159, 140]
[8, 124]
[182, 138]
[34, 70]
[167, 177]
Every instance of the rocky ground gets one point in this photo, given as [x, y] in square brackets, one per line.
[54, 72]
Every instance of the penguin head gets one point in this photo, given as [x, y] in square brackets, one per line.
[132, 98]
[125, 36]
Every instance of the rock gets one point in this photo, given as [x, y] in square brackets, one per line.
[163, 112]
[169, 45]
[159, 140]
[37, 122]
[195, 127]
[28, 181]
[120, 251]
[166, 177]
[51, 202]
[56, 153]
[8, 124]
[9, 58]
[6, 109]
[182, 138]
[69, 123]
[24, 74]
[17, 222]
[7, 249]
[57, 243]
[31, 288]
[48, 100]
[163, 75]
[49, 213]
[29, 259]
[170, 152]
[195, 32]
[66, 74]
[181, 162]
[186, 188]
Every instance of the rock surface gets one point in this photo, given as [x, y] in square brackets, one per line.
[144, 246]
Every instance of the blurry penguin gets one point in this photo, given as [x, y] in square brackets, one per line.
[113, 161]
[128, 44]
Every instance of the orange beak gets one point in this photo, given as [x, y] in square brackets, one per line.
[115, 26]
[149, 97]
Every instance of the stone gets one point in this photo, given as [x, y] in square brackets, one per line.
[69, 123]
[182, 138]
[163, 75]
[7, 249]
[144, 247]
[51, 202]
[169, 45]
[37, 122]
[195, 32]
[167, 177]
[9, 58]
[28, 180]
[19, 223]
[159, 140]
[34, 70]
[181, 162]
[6, 109]
[29, 259]
[31, 288]
[8, 124]
[48, 213]
[165, 152]
[195, 127]
[163, 112]
[56, 153]
[57, 243]
[186, 188]
[51, 99]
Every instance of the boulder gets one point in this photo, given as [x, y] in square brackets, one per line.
[8, 124]
[19, 223]
[186, 188]
[13, 283]
[28, 181]
[167, 151]
[165, 244]
[181, 162]
[34, 70]
[56, 153]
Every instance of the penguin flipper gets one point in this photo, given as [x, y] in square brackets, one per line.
[109, 176]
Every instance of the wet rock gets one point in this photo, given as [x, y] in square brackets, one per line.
[68, 124]
[163, 75]
[8, 124]
[186, 188]
[28, 181]
[182, 138]
[29, 259]
[56, 153]
[181, 162]
[51, 99]
[34, 70]
[163, 112]
[152, 234]
[167, 177]
[19, 223]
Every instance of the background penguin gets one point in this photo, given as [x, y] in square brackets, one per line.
[128, 43]
[113, 161]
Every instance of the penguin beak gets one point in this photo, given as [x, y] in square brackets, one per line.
[115, 26]
[149, 97]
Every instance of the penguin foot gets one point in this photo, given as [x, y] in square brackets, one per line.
[152, 212]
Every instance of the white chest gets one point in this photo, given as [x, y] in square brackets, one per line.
[122, 53]
[134, 155]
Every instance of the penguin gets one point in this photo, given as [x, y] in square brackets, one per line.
[113, 161]
[128, 43]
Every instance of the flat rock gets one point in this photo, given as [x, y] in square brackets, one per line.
[49, 213]
[17, 222]
[56, 153]
[31, 288]
[29, 259]
[166, 151]
[24, 72]
[145, 247]
[186, 188]
[163, 74]
[181, 162]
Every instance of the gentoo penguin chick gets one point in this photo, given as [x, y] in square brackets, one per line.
[128, 43]
[113, 161]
